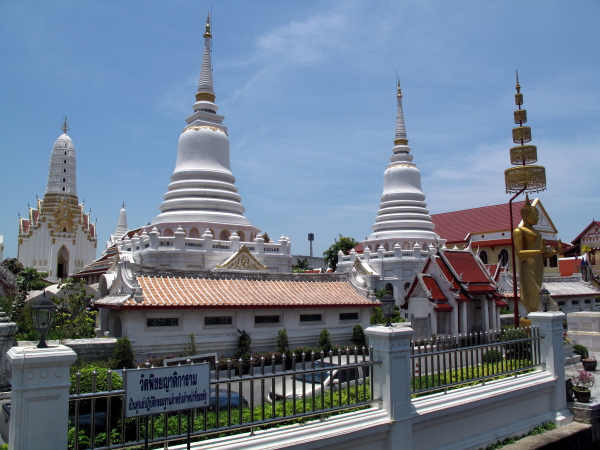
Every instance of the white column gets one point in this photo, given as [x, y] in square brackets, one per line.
[391, 379]
[40, 397]
[485, 315]
[463, 317]
[454, 320]
[552, 354]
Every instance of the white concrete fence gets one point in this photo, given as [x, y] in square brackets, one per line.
[465, 418]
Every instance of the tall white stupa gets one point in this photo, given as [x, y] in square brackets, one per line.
[403, 230]
[57, 237]
[201, 224]
[403, 217]
[121, 227]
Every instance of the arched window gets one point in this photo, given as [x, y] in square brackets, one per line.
[65, 170]
[65, 151]
[483, 256]
[405, 246]
[242, 236]
[386, 246]
[389, 288]
[212, 232]
[65, 161]
[194, 233]
[168, 233]
[503, 257]
[224, 236]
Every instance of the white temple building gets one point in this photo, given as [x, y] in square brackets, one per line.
[201, 225]
[403, 231]
[58, 237]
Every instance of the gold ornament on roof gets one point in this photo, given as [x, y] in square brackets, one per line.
[202, 127]
[242, 260]
[207, 32]
[208, 96]
[524, 177]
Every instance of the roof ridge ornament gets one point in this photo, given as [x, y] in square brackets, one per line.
[206, 90]
[65, 125]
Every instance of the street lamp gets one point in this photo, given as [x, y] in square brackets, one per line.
[545, 298]
[42, 314]
[387, 307]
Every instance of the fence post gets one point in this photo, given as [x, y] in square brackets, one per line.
[7, 335]
[552, 354]
[39, 397]
[391, 380]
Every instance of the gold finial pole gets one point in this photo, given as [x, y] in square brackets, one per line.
[518, 85]
[399, 90]
[207, 33]
[65, 125]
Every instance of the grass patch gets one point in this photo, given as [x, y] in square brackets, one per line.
[546, 426]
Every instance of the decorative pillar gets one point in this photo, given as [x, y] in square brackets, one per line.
[367, 253]
[235, 242]
[353, 255]
[485, 315]
[463, 317]
[260, 244]
[208, 241]
[154, 238]
[391, 379]
[340, 257]
[39, 414]
[179, 241]
[7, 336]
[552, 354]
[397, 251]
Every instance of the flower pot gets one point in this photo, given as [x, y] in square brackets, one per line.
[589, 364]
[582, 396]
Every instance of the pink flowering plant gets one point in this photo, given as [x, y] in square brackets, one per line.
[583, 381]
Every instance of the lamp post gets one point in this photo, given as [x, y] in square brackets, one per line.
[42, 314]
[387, 307]
[544, 298]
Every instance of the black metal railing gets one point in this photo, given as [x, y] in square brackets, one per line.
[324, 385]
[449, 362]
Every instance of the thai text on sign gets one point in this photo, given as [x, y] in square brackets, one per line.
[163, 389]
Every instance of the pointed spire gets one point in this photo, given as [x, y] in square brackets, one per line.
[400, 138]
[65, 125]
[205, 83]
[121, 223]
[518, 86]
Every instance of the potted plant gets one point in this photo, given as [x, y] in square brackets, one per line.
[582, 383]
[589, 363]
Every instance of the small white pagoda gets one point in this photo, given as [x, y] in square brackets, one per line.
[403, 230]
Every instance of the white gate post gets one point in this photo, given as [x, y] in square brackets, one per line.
[552, 354]
[40, 397]
[391, 380]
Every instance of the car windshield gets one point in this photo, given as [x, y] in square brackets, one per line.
[315, 377]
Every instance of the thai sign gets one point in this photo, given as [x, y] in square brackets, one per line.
[163, 389]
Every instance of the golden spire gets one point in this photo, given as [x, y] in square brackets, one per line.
[65, 125]
[207, 33]
[525, 177]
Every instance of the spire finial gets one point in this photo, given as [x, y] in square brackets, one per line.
[65, 125]
[206, 90]
[518, 87]
[400, 138]
[207, 33]
[123, 207]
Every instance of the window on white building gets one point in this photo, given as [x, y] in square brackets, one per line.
[218, 320]
[311, 317]
[163, 322]
[349, 316]
[266, 319]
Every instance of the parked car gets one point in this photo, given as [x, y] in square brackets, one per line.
[222, 401]
[336, 378]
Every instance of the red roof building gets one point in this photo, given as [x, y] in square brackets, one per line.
[455, 292]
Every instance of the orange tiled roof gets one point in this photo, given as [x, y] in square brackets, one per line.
[434, 288]
[223, 293]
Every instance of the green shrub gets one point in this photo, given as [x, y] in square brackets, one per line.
[358, 337]
[244, 343]
[283, 342]
[580, 350]
[492, 356]
[123, 355]
[190, 348]
[324, 342]
[378, 318]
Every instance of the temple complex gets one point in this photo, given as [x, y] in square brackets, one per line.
[403, 230]
[57, 237]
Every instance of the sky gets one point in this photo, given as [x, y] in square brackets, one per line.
[308, 93]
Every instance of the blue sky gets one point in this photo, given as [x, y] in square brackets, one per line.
[308, 92]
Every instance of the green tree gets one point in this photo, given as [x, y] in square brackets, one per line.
[301, 266]
[358, 337]
[324, 341]
[73, 319]
[190, 348]
[379, 293]
[283, 343]
[345, 244]
[244, 343]
[13, 265]
[123, 354]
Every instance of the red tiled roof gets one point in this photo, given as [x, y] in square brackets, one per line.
[442, 307]
[359, 248]
[464, 262]
[456, 225]
[480, 288]
[447, 272]
[433, 287]
[501, 303]
[595, 222]
[227, 293]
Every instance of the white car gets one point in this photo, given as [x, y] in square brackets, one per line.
[339, 378]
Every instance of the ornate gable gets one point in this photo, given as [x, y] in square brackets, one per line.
[242, 260]
[64, 217]
[362, 268]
